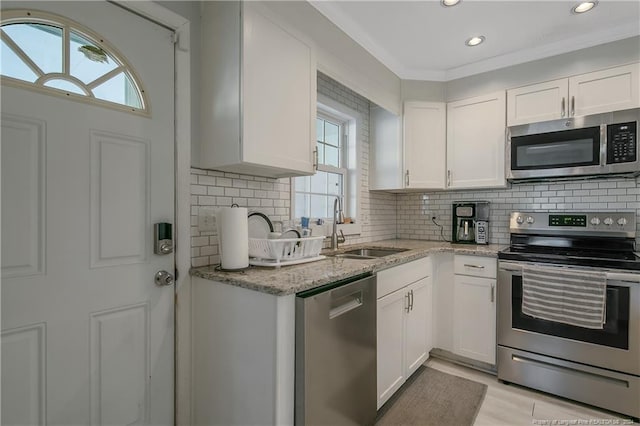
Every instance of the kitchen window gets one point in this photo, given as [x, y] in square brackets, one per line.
[337, 130]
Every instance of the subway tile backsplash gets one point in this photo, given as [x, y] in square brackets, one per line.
[415, 211]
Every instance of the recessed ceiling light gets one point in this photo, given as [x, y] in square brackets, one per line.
[585, 6]
[474, 41]
[449, 3]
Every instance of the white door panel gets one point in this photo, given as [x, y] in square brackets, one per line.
[81, 314]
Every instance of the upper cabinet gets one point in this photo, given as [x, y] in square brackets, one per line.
[408, 152]
[476, 142]
[425, 144]
[592, 93]
[258, 93]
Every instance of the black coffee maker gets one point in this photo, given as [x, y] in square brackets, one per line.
[470, 222]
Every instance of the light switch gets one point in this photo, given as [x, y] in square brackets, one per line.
[206, 220]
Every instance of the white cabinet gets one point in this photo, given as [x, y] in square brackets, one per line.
[408, 152]
[425, 145]
[403, 324]
[258, 93]
[591, 93]
[476, 142]
[474, 322]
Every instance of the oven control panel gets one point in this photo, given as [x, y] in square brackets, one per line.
[577, 223]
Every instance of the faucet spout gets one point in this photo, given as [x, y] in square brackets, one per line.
[338, 217]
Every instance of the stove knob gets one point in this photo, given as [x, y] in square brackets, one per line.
[519, 220]
[530, 220]
[595, 221]
[622, 221]
[608, 221]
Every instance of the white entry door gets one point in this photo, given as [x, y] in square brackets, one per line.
[87, 335]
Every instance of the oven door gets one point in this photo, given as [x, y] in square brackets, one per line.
[615, 347]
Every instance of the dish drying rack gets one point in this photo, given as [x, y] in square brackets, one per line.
[284, 251]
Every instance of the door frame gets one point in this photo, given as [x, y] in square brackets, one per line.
[182, 142]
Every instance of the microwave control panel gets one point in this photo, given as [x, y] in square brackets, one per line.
[622, 143]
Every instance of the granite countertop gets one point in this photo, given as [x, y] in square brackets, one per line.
[296, 278]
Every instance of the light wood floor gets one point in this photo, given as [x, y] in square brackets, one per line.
[515, 405]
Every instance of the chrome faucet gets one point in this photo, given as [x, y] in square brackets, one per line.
[338, 217]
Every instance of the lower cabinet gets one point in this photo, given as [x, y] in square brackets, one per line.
[403, 324]
[474, 310]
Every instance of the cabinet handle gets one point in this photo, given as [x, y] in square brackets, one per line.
[411, 292]
[315, 159]
[573, 106]
[448, 177]
[563, 108]
[406, 179]
[467, 265]
[493, 292]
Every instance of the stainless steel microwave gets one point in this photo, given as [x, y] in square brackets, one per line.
[580, 146]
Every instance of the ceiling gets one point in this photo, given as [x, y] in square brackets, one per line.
[423, 40]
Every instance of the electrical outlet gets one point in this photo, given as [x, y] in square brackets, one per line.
[206, 220]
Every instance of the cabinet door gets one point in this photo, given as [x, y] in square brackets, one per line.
[385, 150]
[390, 331]
[538, 102]
[424, 138]
[476, 142]
[474, 323]
[279, 95]
[605, 91]
[417, 322]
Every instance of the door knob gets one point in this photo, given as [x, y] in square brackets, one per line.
[164, 278]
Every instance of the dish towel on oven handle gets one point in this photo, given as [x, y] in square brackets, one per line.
[563, 295]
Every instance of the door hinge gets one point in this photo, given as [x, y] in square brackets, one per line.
[175, 37]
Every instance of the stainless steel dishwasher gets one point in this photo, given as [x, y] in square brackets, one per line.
[336, 353]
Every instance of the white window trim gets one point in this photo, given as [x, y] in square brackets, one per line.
[354, 122]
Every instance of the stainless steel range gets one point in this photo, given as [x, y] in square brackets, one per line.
[569, 307]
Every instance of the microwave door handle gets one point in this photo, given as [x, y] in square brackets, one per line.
[563, 113]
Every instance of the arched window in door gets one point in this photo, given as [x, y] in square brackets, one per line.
[48, 52]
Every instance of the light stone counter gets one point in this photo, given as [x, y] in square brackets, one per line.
[293, 279]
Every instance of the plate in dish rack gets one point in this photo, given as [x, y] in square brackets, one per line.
[259, 225]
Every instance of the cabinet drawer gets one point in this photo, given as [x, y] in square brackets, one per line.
[476, 266]
[399, 276]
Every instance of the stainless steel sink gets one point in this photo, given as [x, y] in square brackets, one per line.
[369, 253]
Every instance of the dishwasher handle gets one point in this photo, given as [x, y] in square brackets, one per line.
[345, 304]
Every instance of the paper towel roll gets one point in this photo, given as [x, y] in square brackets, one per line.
[233, 237]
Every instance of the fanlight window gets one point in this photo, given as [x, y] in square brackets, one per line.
[54, 54]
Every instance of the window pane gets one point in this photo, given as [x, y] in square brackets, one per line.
[319, 206]
[302, 205]
[320, 130]
[42, 44]
[13, 66]
[87, 60]
[65, 85]
[331, 133]
[320, 147]
[116, 90]
[334, 183]
[319, 182]
[303, 184]
[331, 156]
